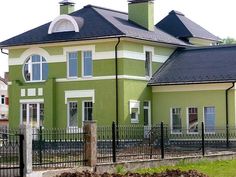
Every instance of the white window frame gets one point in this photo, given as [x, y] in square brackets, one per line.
[187, 112]
[68, 65]
[41, 62]
[149, 112]
[205, 118]
[150, 64]
[83, 106]
[83, 69]
[171, 120]
[134, 104]
[3, 99]
[27, 112]
[68, 115]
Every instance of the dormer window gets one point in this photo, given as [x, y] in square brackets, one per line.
[65, 23]
[35, 68]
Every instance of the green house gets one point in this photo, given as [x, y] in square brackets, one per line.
[104, 65]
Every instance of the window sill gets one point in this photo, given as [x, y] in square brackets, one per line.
[134, 121]
[40, 81]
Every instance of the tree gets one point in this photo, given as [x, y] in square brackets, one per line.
[228, 40]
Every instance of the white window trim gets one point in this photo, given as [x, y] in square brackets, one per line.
[150, 71]
[83, 110]
[68, 115]
[68, 66]
[82, 61]
[187, 112]
[27, 112]
[149, 112]
[79, 94]
[209, 133]
[136, 105]
[171, 121]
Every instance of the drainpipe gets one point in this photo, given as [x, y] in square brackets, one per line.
[5, 53]
[227, 114]
[117, 91]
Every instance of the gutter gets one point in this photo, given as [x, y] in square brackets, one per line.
[117, 90]
[227, 113]
[5, 53]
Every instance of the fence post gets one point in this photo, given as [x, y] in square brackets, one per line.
[26, 130]
[21, 151]
[227, 135]
[162, 141]
[40, 145]
[203, 139]
[114, 141]
[90, 134]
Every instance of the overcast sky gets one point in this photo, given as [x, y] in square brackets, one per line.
[18, 16]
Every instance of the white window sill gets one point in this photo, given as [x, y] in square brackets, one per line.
[39, 81]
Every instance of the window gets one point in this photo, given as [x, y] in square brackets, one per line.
[72, 64]
[88, 110]
[72, 114]
[31, 114]
[148, 64]
[146, 110]
[176, 124]
[209, 118]
[36, 68]
[87, 64]
[2, 116]
[134, 115]
[2, 99]
[192, 120]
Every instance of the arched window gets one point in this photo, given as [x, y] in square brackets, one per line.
[36, 68]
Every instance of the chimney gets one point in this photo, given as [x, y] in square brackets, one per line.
[141, 12]
[66, 7]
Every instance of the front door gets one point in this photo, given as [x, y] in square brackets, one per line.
[147, 118]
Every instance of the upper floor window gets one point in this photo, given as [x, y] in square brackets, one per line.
[2, 99]
[36, 68]
[148, 64]
[87, 64]
[72, 64]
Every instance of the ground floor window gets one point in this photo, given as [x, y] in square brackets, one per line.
[134, 115]
[209, 119]
[176, 123]
[146, 112]
[192, 120]
[72, 114]
[32, 114]
[87, 110]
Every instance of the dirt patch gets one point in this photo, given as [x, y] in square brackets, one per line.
[168, 173]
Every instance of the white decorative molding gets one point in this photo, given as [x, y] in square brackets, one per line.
[63, 23]
[31, 100]
[40, 91]
[79, 94]
[22, 92]
[191, 87]
[134, 104]
[31, 92]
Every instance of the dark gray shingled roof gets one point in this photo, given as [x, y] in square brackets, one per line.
[181, 27]
[97, 23]
[198, 65]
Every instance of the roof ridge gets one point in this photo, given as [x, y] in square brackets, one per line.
[99, 7]
[183, 23]
[92, 7]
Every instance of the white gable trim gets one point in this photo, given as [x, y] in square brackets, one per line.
[55, 24]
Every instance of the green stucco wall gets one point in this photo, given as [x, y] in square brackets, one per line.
[164, 101]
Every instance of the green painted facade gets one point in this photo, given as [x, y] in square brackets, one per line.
[104, 110]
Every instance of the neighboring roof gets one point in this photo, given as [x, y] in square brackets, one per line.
[198, 65]
[181, 27]
[3, 80]
[98, 23]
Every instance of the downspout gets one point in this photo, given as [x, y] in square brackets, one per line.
[5, 53]
[117, 88]
[227, 114]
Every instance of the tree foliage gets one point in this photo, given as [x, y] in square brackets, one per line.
[229, 40]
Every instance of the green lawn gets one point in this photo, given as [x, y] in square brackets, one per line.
[212, 169]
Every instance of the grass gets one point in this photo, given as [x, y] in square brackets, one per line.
[210, 168]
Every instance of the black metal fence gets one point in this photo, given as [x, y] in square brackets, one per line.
[125, 143]
[57, 148]
[11, 153]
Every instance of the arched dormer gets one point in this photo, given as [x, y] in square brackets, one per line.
[63, 23]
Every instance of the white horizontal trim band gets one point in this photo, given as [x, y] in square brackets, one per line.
[103, 78]
[32, 100]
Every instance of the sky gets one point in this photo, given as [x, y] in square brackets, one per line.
[18, 16]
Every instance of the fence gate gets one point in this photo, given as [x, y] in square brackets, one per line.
[11, 154]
